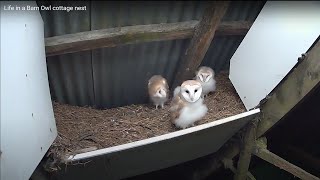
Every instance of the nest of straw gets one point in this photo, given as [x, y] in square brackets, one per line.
[83, 129]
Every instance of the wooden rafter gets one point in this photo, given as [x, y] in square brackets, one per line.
[201, 41]
[262, 152]
[111, 37]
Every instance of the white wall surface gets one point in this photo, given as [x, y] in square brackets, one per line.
[27, 120]
[281, 33]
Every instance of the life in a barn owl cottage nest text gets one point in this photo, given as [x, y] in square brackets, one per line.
[44, 8]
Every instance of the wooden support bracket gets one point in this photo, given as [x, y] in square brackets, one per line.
[200, 41]
[245, 152]
[228, 164]
[261, 152]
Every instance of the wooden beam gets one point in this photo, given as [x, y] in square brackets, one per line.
[305, 157]
[200, 41]
[232, 28]
[111, 37]
[303, 78]
[272, 158]
[228, 164]
[245, 152]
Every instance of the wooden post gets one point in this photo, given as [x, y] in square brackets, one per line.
[263, 153]
[228, 164]
[200, 41]
[245, 152]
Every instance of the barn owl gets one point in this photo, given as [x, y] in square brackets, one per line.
[205, 75]
[158, 90]
[187, 106]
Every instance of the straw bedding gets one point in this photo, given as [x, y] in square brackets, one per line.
[83, 129]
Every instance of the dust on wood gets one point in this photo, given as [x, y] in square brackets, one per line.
[201, 40]
[84, 127]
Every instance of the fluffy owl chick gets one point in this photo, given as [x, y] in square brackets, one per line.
[187, 105]
[205, 75]
[158, 90]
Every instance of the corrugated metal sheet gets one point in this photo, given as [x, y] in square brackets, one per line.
[112, 77]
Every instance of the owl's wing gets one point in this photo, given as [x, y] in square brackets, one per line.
[176, 105]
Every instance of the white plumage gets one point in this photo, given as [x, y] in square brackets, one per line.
[205, 75]
[187, 106]
[176, 90]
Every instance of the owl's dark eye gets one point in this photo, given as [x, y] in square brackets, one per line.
[195, 90]
[187, 91]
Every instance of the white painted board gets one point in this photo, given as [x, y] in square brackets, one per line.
[27, 121]
[280, 34]
[155, 153]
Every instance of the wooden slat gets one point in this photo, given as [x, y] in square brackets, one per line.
[232, 28]
[272, 158]
[201, 41]
[112, 37]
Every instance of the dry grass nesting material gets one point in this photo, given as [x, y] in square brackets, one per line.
[85, 127]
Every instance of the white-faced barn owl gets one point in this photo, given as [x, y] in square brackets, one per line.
[158, 90]
[187, 105]
[205, 75]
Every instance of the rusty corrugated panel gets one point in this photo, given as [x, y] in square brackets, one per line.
[111, 77]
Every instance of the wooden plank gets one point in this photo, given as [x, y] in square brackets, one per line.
[200, 41]
[245, 153]
[291, 91]
[112, 37]
[272, 158]
[157, 152]
[233, 28]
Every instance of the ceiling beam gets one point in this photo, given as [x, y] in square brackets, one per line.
[111, 37]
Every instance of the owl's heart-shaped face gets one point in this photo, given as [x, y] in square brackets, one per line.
[161, 92]
[204, 77]
[191, 93]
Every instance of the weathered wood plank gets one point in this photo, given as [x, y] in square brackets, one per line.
[228, 164]
[232, 28]
[201, 40]
[112, 37]
[291, 91]
[272, 158]
[245, 153]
